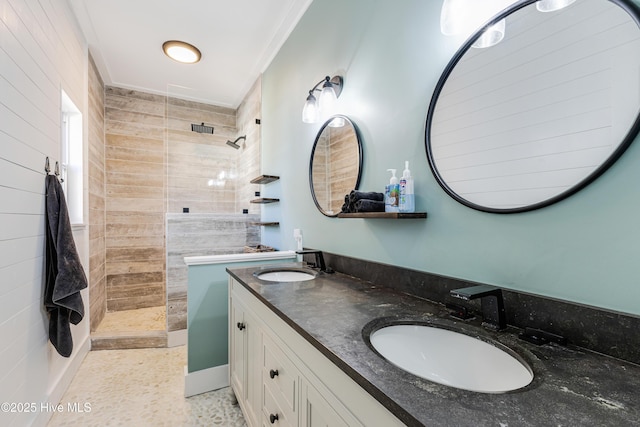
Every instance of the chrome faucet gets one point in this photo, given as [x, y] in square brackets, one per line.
[319, 259]
[492, 304]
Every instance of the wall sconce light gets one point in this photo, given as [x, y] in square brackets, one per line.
[181, 51]
[331, 90]
[552, 5]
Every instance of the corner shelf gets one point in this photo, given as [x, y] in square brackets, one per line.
[265, 224]
[384, 215]
[264, 200]
[264, 179]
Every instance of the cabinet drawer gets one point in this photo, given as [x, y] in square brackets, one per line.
[273, 414]
[280, 375]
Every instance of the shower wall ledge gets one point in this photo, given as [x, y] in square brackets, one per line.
[240, 257]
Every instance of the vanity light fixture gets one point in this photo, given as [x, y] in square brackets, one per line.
[181, 51]
[552, 5]
[313, 107]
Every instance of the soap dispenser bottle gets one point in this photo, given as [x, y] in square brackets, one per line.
[392, 193]
[407, 202]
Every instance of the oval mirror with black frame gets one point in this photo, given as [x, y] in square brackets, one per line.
[535, 118]
[335, 167]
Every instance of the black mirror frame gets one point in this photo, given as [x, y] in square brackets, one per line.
[632, 9]
[313, 151]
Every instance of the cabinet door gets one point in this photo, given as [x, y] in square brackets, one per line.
[237, 338]
[316, 411]
[244, 359]
[253, 384]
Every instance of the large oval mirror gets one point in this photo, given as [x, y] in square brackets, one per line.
[533, 119]
[336, 164]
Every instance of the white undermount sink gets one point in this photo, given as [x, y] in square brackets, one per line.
[451, 358]
[285, 275]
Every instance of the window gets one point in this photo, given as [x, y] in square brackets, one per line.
[71, 151]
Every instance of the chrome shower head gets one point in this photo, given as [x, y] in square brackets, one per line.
[234, 144]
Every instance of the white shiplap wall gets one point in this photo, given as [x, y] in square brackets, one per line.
[41, 52]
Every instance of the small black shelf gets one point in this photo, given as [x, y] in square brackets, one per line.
[387, 215]
[264, 179]
[266, 224]
[264, 200]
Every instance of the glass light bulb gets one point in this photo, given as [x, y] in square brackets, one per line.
[552, 5]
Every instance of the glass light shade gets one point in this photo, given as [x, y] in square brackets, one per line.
[181, 51]
[552, 5]
[491, 36]
[310, 112]
[452, 17]
[328, 99]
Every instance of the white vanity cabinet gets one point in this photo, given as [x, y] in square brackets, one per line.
[280, 379]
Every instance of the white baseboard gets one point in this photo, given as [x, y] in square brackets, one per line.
[58, 389]
[177, 338]
[205, 380]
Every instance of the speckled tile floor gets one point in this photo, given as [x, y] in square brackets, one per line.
[142, 388]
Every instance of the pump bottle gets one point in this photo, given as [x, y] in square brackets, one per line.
[392, 193]
[407, 202]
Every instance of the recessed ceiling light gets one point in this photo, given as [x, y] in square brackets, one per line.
[181, 51]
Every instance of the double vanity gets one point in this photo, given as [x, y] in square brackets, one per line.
[311, 348]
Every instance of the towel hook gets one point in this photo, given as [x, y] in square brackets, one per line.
[57, 172]
[47, 168]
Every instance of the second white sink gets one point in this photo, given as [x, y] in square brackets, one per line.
[451, 358]
[285, 276]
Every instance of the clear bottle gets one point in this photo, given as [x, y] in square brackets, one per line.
[392, 193]
[407, 203]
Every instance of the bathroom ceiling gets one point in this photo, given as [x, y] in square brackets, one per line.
[237, 38]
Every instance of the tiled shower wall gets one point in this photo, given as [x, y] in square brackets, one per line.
[97, 253]
[248, 116]
[156, 165]
[135, 198]
[201, 168]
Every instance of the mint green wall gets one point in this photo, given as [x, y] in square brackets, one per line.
[208, 312]
[584, 249]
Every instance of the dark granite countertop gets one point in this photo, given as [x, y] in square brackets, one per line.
[572, 386]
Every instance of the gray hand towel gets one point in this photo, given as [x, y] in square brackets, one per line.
[355, 195]
[366, 205]
[64, 275]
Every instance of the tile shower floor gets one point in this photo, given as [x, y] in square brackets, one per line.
[143, 387]
[142, 319]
